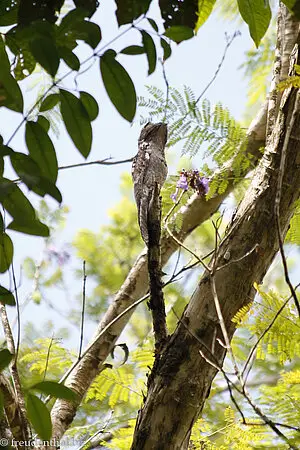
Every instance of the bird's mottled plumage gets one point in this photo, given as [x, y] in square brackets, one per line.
[149, 168]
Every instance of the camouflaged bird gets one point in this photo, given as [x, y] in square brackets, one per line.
[148, 169]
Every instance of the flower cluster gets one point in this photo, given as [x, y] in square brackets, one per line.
[191, 179]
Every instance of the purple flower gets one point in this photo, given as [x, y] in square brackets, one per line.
[182, 183]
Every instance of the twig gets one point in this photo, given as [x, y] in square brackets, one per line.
[102, 162]
[97, 432]
[168, 89]
[48, 358]
[82, 311]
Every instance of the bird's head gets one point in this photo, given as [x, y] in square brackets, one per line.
[156, 133]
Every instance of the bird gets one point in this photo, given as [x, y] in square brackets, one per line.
[149, 169]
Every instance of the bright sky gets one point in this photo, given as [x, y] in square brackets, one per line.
[90, 191]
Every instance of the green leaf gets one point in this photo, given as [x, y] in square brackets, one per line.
[257, 14]
[179, 33]
[10, 93]
[8, 12]
[178, 12]
[129, 10]
[41, 149]
[89, 104]
[33, 227]
[150, 49]
[45, 52]
[69, 58]
[88, 32]
[205, 8]
[39, 417]
[153, 24]
[30, 174]
[55, 389]
[166, 48]
[44, 123]
[6, 297]
[118, 85]
[6, 252]
[49, 102]
[5, 358]
[133, 50]
[77, 122]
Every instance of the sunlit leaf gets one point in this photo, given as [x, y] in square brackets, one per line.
[257, 14]
[205, 8]
[55, 389]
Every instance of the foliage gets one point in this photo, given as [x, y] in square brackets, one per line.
[209, 128]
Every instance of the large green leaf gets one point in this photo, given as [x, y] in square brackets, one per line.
[33, 227]
[6, 252]
[150, 49]
[205, 8]
[257, 14]
[129, 10]
[89, 104]
[45, 52]
[39, 417]
[31, 175]
[77, 121]
[41, 149]
[179, 33]
[5, 358]
[10, 93]
[118, 85]
[6, 297]
[55, 389]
